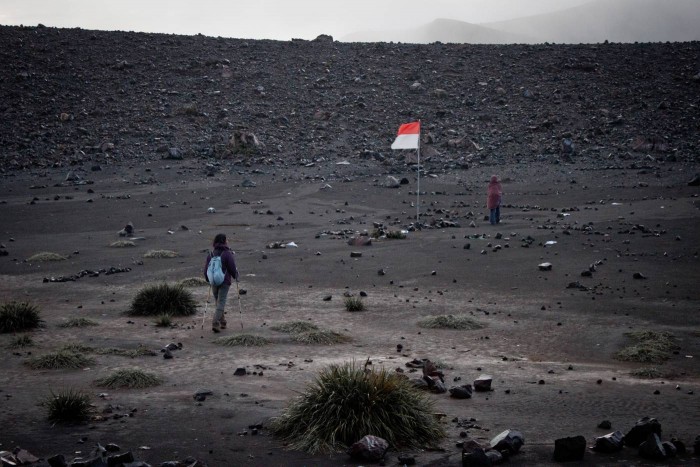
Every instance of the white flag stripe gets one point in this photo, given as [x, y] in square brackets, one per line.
[409, 141]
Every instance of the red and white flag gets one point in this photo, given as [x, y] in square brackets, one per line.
[408, 137]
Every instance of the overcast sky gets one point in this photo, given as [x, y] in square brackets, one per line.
[264, 19]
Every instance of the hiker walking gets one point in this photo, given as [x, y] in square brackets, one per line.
[219, 285]
[493, 200]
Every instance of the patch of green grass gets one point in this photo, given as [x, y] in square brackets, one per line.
[130, 378]
[21, 342]
[45, 256]
[648, 373]
[161, 254]
[18, 317]
[346, 402]
[460, 322]
[122, 244]
[320, 337]
[294, 327]
[395, 235]
[60, 360]
[193, 282]
[164, 321]
[354, 304]
[648, 347]
[76, 347]
[68, 407]
[139, 351]
[163, 299]
[244, 340]
[78, 323]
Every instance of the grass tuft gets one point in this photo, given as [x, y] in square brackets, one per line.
[354, 304]
[21, 342]
[161, 254]
[76, 347]
[19, 316]
[294, 327]
[59, 360]
[648, 373]
[193, 282]
[648, 347]
[164, 321]
[130, 379]
[78, 323]
[46, 256]
[68, 406]
[346, 402]
[139, 351]
[244, 340]
[122, 244]
[321, 337]
[461, 322]
[163, 299]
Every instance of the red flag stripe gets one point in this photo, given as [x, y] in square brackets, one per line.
[412, 128]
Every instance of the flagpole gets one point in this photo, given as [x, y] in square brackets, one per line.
[418, 191]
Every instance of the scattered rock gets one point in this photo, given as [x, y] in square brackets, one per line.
[569, 449]
[641, 431]
[369, 448]
[509, 440]
[612, 442]
[483, 383]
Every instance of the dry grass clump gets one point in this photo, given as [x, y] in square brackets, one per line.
[294, 327]
[76, 347]
[45, 256]
[161, 254]
[648, 373]
[21, 342]
[129, 378]
[321, 337]
[139, 351]
[354, 304]
[164, 321]
[163, 299]
[347, 402]
[78, 323]
[648, 347]
[193, 282]
[60, 360]
[243, 340]
[68, 406]
[122, 244]
[461, 322]
[19, 316]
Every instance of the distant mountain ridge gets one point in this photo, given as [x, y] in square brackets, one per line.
[597, 21]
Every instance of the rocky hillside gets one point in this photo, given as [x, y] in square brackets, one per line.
[85, 98]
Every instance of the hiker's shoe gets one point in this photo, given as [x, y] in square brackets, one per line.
[223, 325]
[216, 328]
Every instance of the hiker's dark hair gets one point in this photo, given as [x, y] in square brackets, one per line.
[220, 238]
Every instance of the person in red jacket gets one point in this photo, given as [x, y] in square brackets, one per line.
[220, 292]
[493, 200]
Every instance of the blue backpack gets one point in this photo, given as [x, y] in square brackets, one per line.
[215, 270]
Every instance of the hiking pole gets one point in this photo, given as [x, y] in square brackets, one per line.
[240, 306]
[204, 315]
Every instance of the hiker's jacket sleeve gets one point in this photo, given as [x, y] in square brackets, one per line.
[227, 258]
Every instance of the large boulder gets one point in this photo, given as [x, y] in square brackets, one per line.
[509, 440]
[612, 442]
[569, 449]
[369, 448]
[641, 431]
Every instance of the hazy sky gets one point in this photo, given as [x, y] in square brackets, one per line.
[264, 19]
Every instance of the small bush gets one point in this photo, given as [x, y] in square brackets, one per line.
[78, 323]
[395, 235]
[461, 322]
[194, 282]
[18, 316]
[346, 403]
[122, 244]
[163, 299]
[160, 254]
[130, 379]
[354, 304]
[164, 321]
[648, 347]
[60, 360]
[68, 406]
[140, 351]
[294, 327]
[21, 342]
[243, 340]
[45, 256]
[76, 347]
[648, 373]
[321, 337]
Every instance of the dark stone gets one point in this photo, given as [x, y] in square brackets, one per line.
[641, 431]
[439, 387]
[569, 449]
[483, 383]
[118, 459]
[239, 372]
[355, 254]
[58, 460]
[652, 448]
[404, 181]
[495, 456]
[696, 446]
[461, 392]
[638, 275]
[473, 455]
[369, 448]
[612, 442]
[695, 181]
[669, 448]
[679, 445]
[605, 425]
[407, 459]
[327, 298]
[509, 440]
